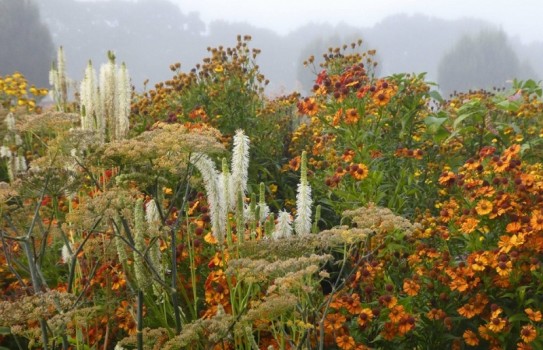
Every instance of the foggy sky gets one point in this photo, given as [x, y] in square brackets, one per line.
[520, 18]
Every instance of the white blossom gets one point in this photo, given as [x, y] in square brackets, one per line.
[283, 228]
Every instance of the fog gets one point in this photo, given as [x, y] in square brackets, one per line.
[409, 35]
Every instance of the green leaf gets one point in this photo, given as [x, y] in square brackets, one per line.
[461, 118]
[511, 106]
[5, 331]
[434, 123]
[436, 96]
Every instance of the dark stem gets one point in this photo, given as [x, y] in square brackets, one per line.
[140, 320]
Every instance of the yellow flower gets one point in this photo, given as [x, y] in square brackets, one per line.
[484, 207]
[219, 69]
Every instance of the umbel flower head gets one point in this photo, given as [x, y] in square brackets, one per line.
[302, 222]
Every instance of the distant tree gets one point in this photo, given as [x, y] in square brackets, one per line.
[25, 42]
[481, 61]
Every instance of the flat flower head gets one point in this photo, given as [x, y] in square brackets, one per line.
[484, 207]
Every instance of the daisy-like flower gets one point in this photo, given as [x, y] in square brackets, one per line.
[345, 342]
[484, 207]
[470, 338]
[536, 220]
[528, 333]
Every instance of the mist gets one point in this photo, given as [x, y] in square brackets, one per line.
[150, 35]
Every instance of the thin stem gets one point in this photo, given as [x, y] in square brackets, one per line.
[140, 320]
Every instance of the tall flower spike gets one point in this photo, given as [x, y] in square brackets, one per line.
[240, 167]
[90, 103]
[57, 78]
[152, 217]
[302, 222]
[123, 96]
[139, 240]
[283, 228]
[215, 197]
[264, 209]
[108, 81]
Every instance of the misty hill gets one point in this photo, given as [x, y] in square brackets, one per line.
[151, 35]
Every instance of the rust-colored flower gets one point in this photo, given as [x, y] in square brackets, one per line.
[470, 338]
[294, 163]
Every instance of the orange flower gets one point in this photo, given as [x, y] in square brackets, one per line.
[470, 338]
[406, 324]
[348, 155]
[308, 106]
[334, 322]
[410, 287]
[533, 315]
[496, 324]
[484, 207]
[513, 227]
[504, 268]
[528, 333]
[390, 330]
[345, 342]
[337, 117]
[352, 304]
[365, 317]
[396, 313]
[447, 178]
[351, 116]
[524, 346]
[506, 243]
[468, 310]
[469, 225]
[536, 220]
[294, 163]
[359, 171]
